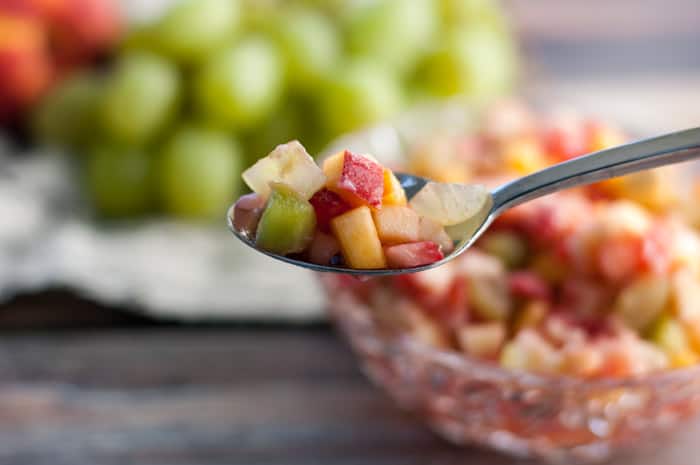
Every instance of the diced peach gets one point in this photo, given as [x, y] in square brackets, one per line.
[323, 248]
[482, 340]
[393, 192]
[358, 239]
[327, 205]
[413, 255]
[396, 225]
[431, 230]
[358, 179]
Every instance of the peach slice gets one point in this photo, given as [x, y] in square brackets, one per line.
[358, 239]
[396, 225]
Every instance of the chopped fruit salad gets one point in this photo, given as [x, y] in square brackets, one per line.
[350, 212]
[596, 282]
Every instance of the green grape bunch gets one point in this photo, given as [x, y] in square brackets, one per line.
[196, 96]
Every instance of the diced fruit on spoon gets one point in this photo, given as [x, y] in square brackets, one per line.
[354, 216]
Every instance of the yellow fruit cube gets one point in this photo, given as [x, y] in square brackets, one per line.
[393, 192]
[524, 156]
[396, 225]
[358, 239]
[333, 168]
[483, 339]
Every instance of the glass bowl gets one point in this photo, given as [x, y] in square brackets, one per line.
[469, 401]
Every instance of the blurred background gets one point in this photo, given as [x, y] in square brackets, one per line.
[125, 126]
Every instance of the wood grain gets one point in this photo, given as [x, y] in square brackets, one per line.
[173, 396]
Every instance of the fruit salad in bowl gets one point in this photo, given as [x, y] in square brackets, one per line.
[571, 329]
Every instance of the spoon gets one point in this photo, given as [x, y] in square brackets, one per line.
[659, 151]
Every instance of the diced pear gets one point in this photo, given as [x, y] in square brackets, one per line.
[431, 230]
[358, 239]
[396, 225]
[482, 340]
[393, 192]
[642, 301]
[451, 204]
[489, 296]
[289, 164]
[287, 225]
[507, 246]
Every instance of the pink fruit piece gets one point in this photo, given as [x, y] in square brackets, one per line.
[361, 181]
[247, 212]
[413, 255]
[323, 248]
[327, 205]
[529, 285]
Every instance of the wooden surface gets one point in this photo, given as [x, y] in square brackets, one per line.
[158, 395]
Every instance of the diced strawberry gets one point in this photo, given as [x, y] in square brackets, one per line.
[656, 250]
[413, 255]
[621, 257]
[529, 285]
[564, 142]
[581, 296]
[361, 181]
[327, 205]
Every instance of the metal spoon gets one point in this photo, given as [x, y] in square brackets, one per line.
[617, 161]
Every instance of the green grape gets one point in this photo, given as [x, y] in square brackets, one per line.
[310, 43]
[393, 32]
[119, 181]
[358, 95]
[191, 29]
[467, 13]
[241, 86]
[66, 117]
[475, 62]
[199, 173]
[139, 98]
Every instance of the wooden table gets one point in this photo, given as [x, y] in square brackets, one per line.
[104, 387]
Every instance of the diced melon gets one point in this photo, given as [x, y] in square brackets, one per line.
[396, 225]
[642, 301]
[287, 225]
[289, 164]
[393, 192]
[323, 248]
[482, 340]
[431, 230]
[358, 239]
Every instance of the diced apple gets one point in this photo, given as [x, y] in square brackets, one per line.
[327, 205]
[642, 301]
[358, 239]
[413, 255]
[396, 225]
[482, 340]
[358, 179]
[289, 164]
[287, 225]
[323, 248]
[393, 192]
[247, 212]
[507, 246]
[431, 230]
[530, 352]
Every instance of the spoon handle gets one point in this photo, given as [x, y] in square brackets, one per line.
[645, 154]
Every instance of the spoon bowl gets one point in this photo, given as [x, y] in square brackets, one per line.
[659, 151]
